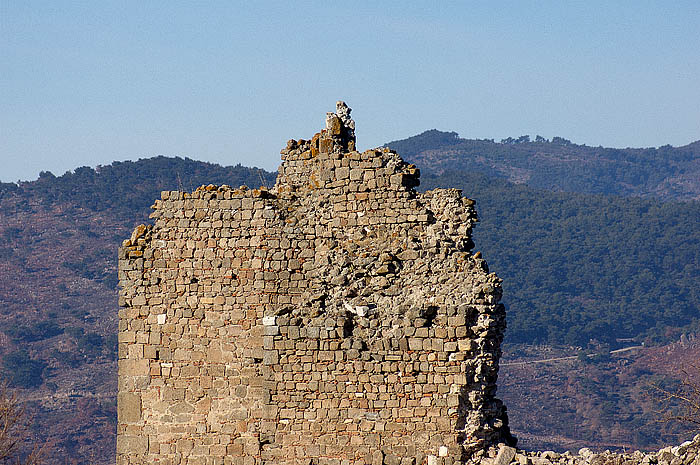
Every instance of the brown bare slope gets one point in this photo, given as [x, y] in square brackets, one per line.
[58, 317]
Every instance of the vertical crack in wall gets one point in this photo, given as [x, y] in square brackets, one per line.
[338, 316]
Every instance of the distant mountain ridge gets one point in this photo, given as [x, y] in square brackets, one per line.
[666, 173]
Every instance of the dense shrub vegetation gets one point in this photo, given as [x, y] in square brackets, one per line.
[34, 331]
[21, 370]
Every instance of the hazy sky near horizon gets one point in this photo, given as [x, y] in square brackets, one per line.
[86, 83]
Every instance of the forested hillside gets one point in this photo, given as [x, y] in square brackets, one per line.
[127, 189]
[575, 267]
[578, 267]
[666, 173]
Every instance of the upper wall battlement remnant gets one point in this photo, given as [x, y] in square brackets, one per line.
[341, 126]
[339, 317]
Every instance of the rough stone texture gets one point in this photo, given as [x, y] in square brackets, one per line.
[338, 318]
[505, 455]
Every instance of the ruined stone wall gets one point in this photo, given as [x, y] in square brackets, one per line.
[338, 318]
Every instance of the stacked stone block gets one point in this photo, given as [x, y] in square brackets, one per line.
[338, 318]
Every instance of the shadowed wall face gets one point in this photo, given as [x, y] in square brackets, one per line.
[339, 317]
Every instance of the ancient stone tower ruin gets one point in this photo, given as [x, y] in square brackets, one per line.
[337, 318]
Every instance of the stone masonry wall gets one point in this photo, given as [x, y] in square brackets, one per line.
[338, 318]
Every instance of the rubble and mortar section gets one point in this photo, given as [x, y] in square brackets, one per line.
[687, 453]
[338, 318]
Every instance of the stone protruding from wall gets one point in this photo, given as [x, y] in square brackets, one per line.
[338, 318]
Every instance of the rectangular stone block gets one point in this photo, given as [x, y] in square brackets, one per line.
[128, 407]
[132, 445]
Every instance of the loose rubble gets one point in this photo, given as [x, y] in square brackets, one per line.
[687, 453]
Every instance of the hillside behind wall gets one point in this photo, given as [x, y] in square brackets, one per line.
[338, 318]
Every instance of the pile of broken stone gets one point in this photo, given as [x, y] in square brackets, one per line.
[687, 453]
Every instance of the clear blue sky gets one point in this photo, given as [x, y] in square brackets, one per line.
[86, 83]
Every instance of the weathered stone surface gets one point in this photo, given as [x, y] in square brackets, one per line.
[132, 445]
[505, 455]
[128, 407]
